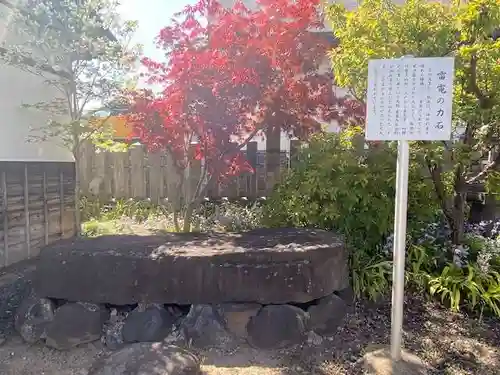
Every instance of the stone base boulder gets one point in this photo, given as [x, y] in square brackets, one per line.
[33, 317]
[347, 295]
[237, 316]
[267, 266]
[148, 359]
[203, 327]
[148, 324]
[278, 326]
[221, 326]
[75, 324]
[113, 330]
[328, 314]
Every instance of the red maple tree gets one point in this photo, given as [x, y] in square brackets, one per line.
[242, 72]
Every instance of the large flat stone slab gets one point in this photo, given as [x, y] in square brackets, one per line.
[264, 265]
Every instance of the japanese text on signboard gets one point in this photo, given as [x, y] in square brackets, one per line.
[410, 99]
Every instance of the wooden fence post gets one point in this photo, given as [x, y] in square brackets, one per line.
[141, 174]
[27, 228]
[137, 172]
[45, 209]
[61, 200]
[5, 210]
[103, 172]
[294, 152]
[252, 159]
[155, 177]
[120, 175]
[273, 156]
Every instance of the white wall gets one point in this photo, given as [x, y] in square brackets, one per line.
[18, 87]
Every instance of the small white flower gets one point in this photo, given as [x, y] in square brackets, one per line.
[460, 254]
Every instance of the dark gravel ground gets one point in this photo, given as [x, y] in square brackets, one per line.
[15, 284]
[453, 343]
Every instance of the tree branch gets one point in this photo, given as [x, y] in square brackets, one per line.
[93, 131]
[29, 61]
[491, 165]
[85, 101]
[436, 172]
[484, 101]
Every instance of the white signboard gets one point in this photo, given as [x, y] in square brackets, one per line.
[410, 99]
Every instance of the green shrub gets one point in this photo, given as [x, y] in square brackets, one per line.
[421, 262]
[138, 209]
[229, 216]
[338, 185]
[483, 251]
[370, 276]
[94, 228]
[467, 286]
[222, 216]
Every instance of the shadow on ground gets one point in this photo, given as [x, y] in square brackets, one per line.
[452, 343]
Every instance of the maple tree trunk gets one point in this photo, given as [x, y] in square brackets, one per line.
[458, 206]
[78, 221]
[273, 155]
[177, 204]
[188, 217]
[458, 214]
[195, 200]
[453, 207]
[176, 221]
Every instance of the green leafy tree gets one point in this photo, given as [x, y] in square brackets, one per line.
[338, 184]
[80, 48]
[467, 31]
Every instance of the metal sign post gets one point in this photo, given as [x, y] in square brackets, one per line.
[398, 272]
[408, 99]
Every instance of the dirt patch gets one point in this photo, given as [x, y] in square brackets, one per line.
[18, 358]
[454, 344]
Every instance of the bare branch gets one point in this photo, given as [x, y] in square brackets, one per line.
[436, 171]
[17, 59]
[487, 168]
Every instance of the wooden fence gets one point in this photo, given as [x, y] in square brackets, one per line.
[37, 207]
[140, 174]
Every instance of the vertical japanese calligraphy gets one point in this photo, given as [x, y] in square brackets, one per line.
[390, 98]
[410, 99]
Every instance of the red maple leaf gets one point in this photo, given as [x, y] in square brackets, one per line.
[232, 77]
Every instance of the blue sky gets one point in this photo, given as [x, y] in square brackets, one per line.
[152, 16]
